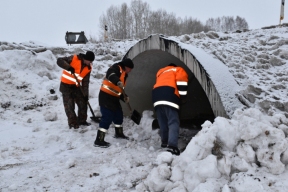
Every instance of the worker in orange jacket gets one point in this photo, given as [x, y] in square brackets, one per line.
[168, 92]
[110, 95]
[81, 66]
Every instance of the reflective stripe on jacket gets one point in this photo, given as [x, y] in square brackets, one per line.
[69, 78]
[171, 84]
[112, 89]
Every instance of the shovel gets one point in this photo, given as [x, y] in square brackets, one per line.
[94, 118]
[155, 124]
[135, 115]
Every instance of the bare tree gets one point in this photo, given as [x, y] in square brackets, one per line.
[110, 19]
[190, 25]
[125, 22]
[118, 21]
[139, 22]
[140, 14]
[241, 23]
[171, 25]
[154, 22]
[227, 23]
[214, 24]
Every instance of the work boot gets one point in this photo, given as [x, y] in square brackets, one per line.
[163, 145]
[119, 133]
[173, 150]
[85, 123]
[74, 126]
[99, 142]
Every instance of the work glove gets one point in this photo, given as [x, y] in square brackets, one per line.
[120, 84]
[126, 100]
[71, 69]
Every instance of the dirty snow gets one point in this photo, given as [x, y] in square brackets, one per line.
[248, 151]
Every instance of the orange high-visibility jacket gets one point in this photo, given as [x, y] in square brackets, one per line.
[112, 89]
[69, 78]
[171, 84]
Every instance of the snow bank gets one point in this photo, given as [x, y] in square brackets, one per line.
[248, 143]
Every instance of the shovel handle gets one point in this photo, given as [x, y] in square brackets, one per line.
[128, 104]
[83, 94]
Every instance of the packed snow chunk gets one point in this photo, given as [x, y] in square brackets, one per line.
[45, 60]
[49, 116]
[201, 145]
[176, 174]
[278, 119]
[284, 128]
[211, 184]
[13, 187]
[129, 184]
[164, 171]
[147, 119]
[251, 112]
[165, 157]
[22, 61]
[227, 134]
[239, 165]
[243, 182]
[177, 187]
[158, 178]
[141, 187]
[71, 163]
[246, 152]
[284, 156]
[224, 165]
[198, 171]
[248, 123]
[270, 145]
[271, 160]
[248, 128]
[226, 188]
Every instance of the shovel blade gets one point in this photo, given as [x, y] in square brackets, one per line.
[136, 117]
[96, 119]
[155, 124]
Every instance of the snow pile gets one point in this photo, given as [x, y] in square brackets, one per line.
[248, 144]
[258, 61]
[247, 152]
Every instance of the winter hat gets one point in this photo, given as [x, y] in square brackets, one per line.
[89, 56]
[128, 63]
[172, 64]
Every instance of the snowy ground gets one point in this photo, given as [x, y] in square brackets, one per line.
[245, 153]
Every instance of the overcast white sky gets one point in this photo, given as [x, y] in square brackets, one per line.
[47, 21]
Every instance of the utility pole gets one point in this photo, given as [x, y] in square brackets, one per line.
[281, 11]
[105, 33]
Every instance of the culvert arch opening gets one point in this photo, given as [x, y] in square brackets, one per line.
[210, 94]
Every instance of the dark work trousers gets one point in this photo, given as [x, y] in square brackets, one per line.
[109, 116]
[168, 119]
[69, 100]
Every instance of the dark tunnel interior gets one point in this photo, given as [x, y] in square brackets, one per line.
[140, 83]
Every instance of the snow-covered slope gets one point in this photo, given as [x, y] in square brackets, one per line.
[39, 153]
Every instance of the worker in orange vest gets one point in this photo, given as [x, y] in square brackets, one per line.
[81, 66]
[109, 101]
[168, 93]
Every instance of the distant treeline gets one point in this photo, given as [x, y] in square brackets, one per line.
[138, 21]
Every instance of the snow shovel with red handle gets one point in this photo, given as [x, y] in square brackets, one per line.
[94, 118]
[135, 115]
